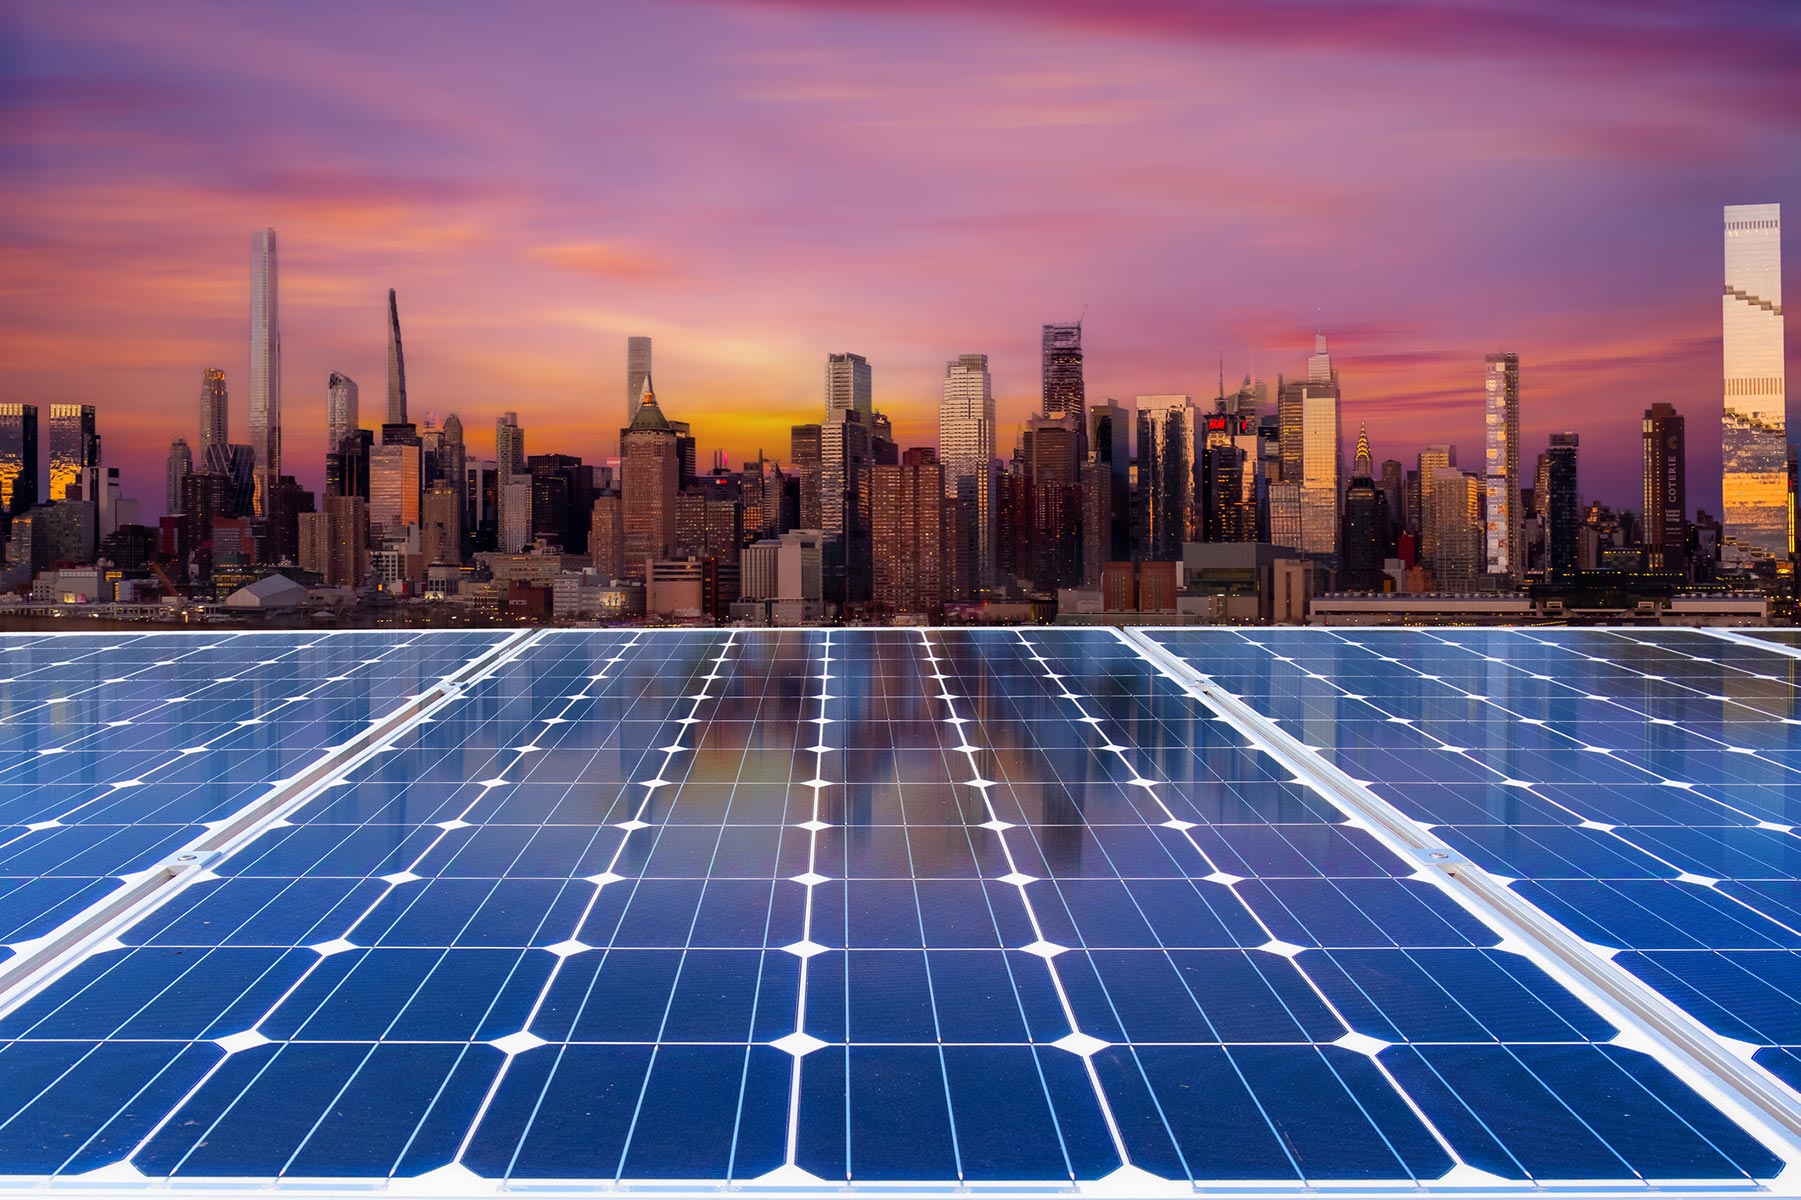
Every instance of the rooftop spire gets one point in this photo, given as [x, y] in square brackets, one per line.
[1360, 469]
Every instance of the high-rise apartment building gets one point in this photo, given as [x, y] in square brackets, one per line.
[1501, 466]
[1064, 393]
[907, 513]
[396, 365]
[637, 374]
[1665, 488]
[74, 452]
[1754, 424]
[18, 457]
[1051, 449]
[1563, 504]
[180, 465]
[649, 480]
[265, 364]
[341, 414]
[215, 409]
[1452, 507]
[1163, 508]
[966, 452]
[848, 385]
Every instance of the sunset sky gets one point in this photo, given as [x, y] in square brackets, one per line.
[757, 184]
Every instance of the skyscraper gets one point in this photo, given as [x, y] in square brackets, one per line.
[637, 373]
[509, 447]
[180, 466]
[649, 480]
[907, 513]
[1665, 488]
[341, 408]
[394, 490]
[1431, 459]
[1754, 426]
[1165, 499]
[847, 385]
[215, 409]
[1501, 466]
[1563, 504]
[966, 452]
[74, 451]
[846, 454]
[1064, 394]
[1365, 521]
[18, 457]
[265, 364]
[453, 458]
[396, 365]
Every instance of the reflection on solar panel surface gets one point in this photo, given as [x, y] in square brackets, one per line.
[801, 910]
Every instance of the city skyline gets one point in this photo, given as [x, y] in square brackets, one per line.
[519, 295]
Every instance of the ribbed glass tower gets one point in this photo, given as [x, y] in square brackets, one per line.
[1753, 427]
[265, 364]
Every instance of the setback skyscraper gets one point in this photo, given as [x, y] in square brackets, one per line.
[396, 365]
[1501, 466]
[265, 364]
[215, 409]
[1753, 425]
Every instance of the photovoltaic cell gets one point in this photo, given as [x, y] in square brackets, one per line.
[817, 908]
[1639, 786]
[116, 749]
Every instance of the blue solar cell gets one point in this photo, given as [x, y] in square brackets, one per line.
[601, 916]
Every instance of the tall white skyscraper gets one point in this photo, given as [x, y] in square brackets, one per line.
[1501, 465]
[509, 447]
[847, 384]
[265, 364]
[966, 451]
[341, 410]
[637, 374]
[1754, 426]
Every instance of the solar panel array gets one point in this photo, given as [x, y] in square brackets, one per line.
[894, 908]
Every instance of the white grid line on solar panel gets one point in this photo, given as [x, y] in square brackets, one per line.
[256, 1038]
[1708, 1118]
[1731, 960]
[391, 880]
[66, 835]
[1641, 897]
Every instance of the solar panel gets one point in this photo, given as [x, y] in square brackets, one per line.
[1638, 786]
[117, 750]
[872, 908]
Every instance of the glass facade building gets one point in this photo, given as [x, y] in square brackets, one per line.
[966, 451]
[18, 457]
[74, 449]
[1753, 427]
